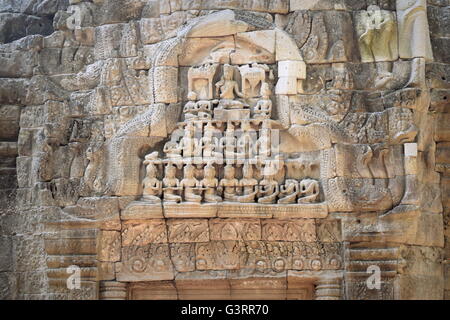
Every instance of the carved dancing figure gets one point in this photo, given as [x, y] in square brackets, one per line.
[229, 184]
[378, 39]
[310, 189]
[190, 185]
[248, 185]
[210, 183]
[378, 42]
[178, 133]
[289, 192]
[171, 185]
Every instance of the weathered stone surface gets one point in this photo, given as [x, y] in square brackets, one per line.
[138, 233]
[183, 256]
[16, 25]
[153, 291]
[108, 246]
[6, 256]
[443, 127]
[235, 229]
[217, 255]
[224, 149]
[192, 230]
[145, 263]
[300, 230]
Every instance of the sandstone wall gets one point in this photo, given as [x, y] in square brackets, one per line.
[438, 12]
[65, 90]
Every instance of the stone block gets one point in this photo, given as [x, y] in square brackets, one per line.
[294, 69]
[108, 246]
[188, 230]
[256, 46]
[142, 233]
[235, 229]
[153, 291]
[145, 263]
[289, 230]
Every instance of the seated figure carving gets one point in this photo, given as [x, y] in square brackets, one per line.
[210, 144]
[190, 108]
[210, 184]
[172, 150]
[248, 185]
[263, 108]
[289, 192]
[198, 110]
[190, 185]
[226, 89]
[309, 190]
[204, 109]
[229, 184]
[268, 189]
[171, 184]
[152, 186]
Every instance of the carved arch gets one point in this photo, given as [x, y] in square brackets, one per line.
[162, 115]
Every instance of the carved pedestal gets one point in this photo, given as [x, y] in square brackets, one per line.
[328, 289]
[112, 290]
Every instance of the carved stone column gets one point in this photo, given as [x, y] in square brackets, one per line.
[328, 289]
[112, 290]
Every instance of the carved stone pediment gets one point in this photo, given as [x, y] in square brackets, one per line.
[173, 148]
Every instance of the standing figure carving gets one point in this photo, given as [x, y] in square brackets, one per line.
[413, 29]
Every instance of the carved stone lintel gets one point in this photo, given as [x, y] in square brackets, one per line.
[142, 210]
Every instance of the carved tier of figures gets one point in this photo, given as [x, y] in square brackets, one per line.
[226, 149]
